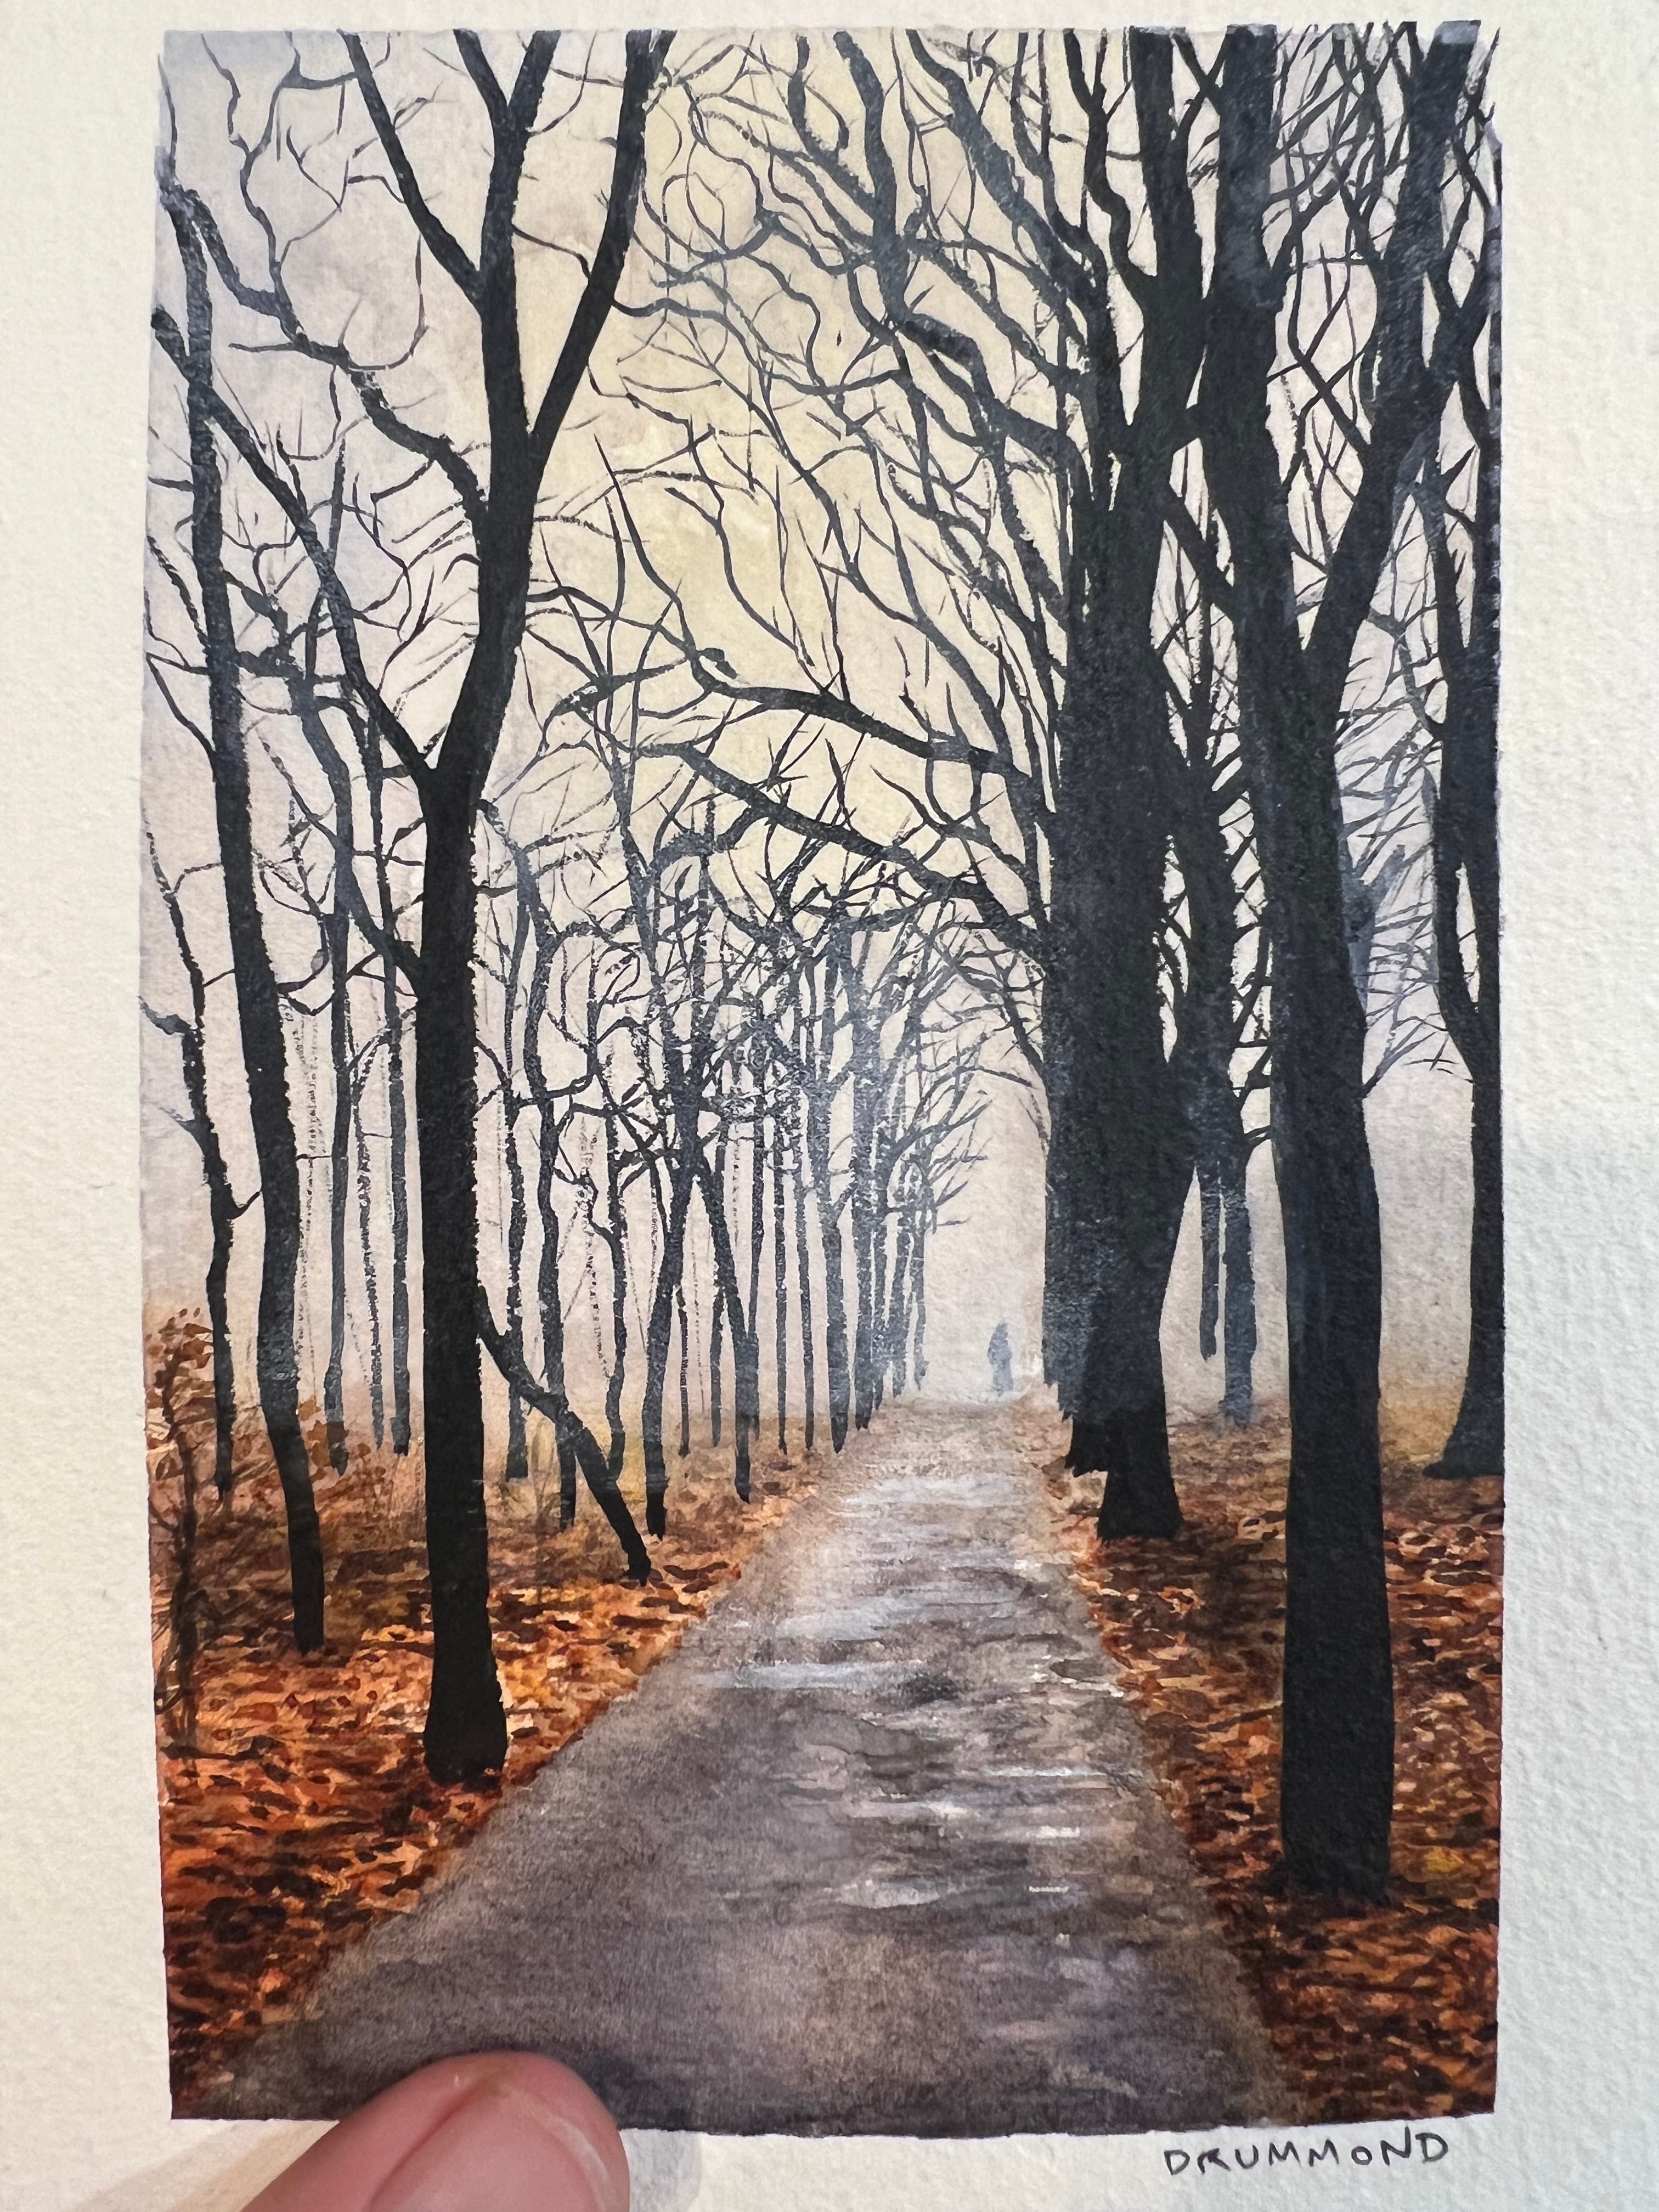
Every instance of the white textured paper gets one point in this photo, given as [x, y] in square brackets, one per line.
[83, 2097]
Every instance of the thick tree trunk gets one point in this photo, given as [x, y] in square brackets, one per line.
[1119, 1165]
[259, 1006]
[1465, 850]
[1337, 1768]
[1120, 1157]
[1336, 1773]
[466, 1724]
[1475, 1446]
[1120, 1153]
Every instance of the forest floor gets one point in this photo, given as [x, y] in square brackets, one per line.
[296, 1814]
[1375, 2013]
[295, 1810]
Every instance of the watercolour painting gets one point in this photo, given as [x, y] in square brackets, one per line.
[822, 1184]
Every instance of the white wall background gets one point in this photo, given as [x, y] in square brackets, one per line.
[83, 2104]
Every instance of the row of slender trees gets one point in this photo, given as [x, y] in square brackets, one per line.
[989, 539]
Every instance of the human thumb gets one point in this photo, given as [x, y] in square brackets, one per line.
[508, 2133]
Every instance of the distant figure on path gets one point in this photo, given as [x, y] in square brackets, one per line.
[1002, 1360]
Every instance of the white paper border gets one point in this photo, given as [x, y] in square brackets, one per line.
[84, 2123]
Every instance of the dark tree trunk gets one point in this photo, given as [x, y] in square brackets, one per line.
[880, 1215]
[1337, 1767]
[517, 1443]
[518, 1223]
[336, 926]
[898, 1330]
[1203, 1054]
[338, 929]
[1209, 1237]
[258, 1005]
[1465, 850]
[1238, 1321]
[465, 1732]
[550, 1300]
[397, 1103]
[466, 1723]
[685, 1370]
[185, 1600]
[371, 1272]
[659, 1335]
[757, 1242]
[1120, 1154]
[584, 1445]
[616, 1245]
[1475, 1446]
[804, 1285]
[221, 1215]
[1120, 1157]
[717, 1318]
[532, 915]
[398, 1121]
[919, 1363]
[745, 1362]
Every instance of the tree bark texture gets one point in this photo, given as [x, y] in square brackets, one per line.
[1337, 1766]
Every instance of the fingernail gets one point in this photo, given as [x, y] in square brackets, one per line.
[502, 2149]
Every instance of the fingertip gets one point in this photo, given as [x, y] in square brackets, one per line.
[455, 2115]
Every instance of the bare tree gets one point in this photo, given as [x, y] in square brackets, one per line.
[1338, 1761]
[258, 1005]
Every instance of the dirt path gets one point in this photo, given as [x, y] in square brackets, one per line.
[873, 1852]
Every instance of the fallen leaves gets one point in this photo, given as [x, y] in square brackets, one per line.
[295, 1810]
[1377, 2013]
